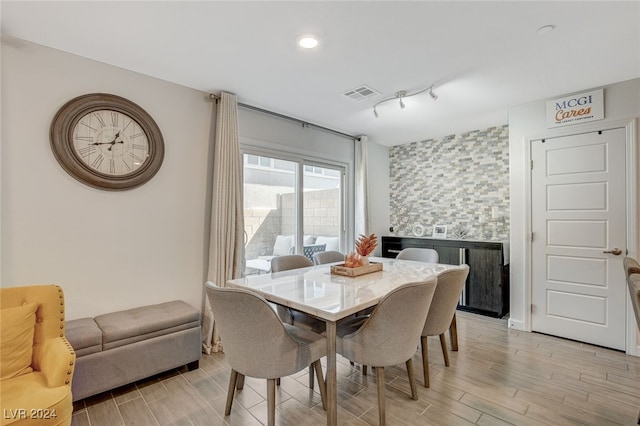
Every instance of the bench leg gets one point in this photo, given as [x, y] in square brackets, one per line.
[193, 365]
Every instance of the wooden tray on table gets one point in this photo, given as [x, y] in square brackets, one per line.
[355, 272]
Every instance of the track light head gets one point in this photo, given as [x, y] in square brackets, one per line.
[400, 95]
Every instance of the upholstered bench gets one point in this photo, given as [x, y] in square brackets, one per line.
[122, 347]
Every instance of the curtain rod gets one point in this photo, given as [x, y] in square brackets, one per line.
[215, 97]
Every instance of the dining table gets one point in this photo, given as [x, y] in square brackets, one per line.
[330, 297]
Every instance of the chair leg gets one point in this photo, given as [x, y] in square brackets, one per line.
[382, 417]
[321, 384]
[445, 353]
[240, 382]
[311, 377]
[271, 402]
[364, 370]
[425, 360]
[231, 391]
[412, 380]
[278, 381]
[453, 333]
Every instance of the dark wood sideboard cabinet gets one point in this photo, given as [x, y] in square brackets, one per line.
[487, 288]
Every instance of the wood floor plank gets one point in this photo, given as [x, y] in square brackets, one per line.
[615, 411]
[80, 418]
[103, 410]
[450, 414]
[137, 412]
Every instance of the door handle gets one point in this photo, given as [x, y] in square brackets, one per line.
[616, 251]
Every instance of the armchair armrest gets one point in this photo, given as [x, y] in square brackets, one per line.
[56, 359]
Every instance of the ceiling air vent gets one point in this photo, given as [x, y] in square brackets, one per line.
[361, 93]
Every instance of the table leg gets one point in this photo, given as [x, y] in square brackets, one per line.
[331, 379]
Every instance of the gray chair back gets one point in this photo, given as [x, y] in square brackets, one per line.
[632, 272]
[255, 341]
[327, 257]
[445, 300]
[391, 334]
[291, 261]
[419, 254]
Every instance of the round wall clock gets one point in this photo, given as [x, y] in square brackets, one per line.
[106, 141]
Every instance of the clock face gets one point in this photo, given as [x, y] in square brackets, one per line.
[106, 141]
[110, 142]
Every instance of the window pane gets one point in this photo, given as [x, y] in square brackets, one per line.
[322, 207]
[265, 161]
[251, 159]
[269, 211]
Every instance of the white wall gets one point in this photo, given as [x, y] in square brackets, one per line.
[108, 250]
[379, 192]
[526, 122]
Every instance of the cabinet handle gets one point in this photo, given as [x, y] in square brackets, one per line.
[462, 256]
[394, 251]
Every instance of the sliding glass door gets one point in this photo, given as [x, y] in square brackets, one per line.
[291, 205]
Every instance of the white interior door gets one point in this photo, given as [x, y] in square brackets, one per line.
[579, 237]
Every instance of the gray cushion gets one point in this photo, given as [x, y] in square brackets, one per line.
[133, 325]
[84, 335]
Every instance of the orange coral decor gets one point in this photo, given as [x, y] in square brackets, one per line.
[364, 247]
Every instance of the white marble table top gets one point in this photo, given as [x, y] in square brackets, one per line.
[315, 291]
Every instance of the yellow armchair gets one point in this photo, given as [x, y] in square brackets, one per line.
[37, 360]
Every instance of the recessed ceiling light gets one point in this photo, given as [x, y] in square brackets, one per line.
[545, 29]
[308, 42]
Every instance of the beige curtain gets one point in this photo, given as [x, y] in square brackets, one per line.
[226, 245]
[361, 186]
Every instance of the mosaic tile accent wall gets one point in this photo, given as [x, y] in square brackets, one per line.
[460, 181]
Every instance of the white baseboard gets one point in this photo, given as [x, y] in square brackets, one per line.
[517, 325]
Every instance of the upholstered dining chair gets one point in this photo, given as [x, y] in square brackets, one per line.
[389, 335]
[443, 308]
[327, 257]
[257, 344]
[291, 316]
[420, 254]
[290, 261]
[431, 256]
[632, 273]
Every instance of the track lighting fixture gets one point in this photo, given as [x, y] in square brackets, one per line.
[400, 95]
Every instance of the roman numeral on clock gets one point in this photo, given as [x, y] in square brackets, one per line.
[98, 117]
[86, 151]
[98, 160]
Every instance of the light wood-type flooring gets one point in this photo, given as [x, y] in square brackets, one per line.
[498, 377]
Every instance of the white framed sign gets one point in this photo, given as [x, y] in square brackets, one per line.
[576, 109]
[439, 231]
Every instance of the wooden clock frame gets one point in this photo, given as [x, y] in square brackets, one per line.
[61, 139]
